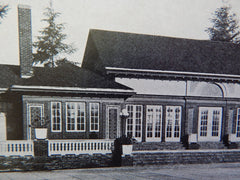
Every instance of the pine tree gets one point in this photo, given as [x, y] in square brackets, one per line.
[3, 11]
[225, 26]
[50, 44]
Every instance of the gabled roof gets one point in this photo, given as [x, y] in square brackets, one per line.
[65, 77]
[139, 51]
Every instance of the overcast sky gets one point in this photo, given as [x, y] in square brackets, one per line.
[177, 18]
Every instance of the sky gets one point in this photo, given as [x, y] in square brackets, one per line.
[175, 18]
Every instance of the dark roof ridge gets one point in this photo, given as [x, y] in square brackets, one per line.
[161, 36]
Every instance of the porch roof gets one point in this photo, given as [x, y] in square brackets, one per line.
[66, 78]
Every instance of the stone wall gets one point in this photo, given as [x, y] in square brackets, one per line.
[55, 162]
[187, 157]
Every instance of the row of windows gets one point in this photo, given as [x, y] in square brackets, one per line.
[75, 116]
[154, 122]
[209, 123]
[210, 119]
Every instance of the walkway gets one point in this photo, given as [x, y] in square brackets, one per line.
[186, 172]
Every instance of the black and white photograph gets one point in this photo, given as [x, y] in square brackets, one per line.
[120, 89]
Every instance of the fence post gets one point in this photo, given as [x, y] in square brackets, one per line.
[41, 147]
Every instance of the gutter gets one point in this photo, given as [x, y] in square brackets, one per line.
[69, 89]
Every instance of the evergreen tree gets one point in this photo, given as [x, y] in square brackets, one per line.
[225, 26]
[3, 11]
[50, 44]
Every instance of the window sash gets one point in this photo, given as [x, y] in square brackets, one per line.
[94, 117]
[75, 116]
[134, 121]
[153, 123]
[209, 123]
[173, 123]
[56, 117]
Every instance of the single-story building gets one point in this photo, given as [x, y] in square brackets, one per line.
[158, 90]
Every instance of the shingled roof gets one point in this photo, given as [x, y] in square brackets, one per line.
[9, 74]
[138, 51]
[66, 75]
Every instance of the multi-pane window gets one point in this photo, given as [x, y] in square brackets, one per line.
[130, 121]
[238, 123]
[134, 121]
[75, 116]
[210, 119]
[203, 123]
[177, 123]
[153, 122]
[169, 122]
[138, 121]
[56, 117]
[173, 123]
[150, 122]
[94, 116]
[215, 123]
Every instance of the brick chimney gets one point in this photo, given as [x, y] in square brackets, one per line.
[25, 41]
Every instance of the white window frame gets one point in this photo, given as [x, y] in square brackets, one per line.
[210, 117]
[54, 115]
[29, 106]
[75, 112]
[90, 118]
[171, 118]
[153, 117]
[134, 118]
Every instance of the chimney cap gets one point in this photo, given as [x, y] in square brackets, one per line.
[24, 6]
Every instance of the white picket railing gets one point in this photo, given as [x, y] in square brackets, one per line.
[16, 148]
[89, 146]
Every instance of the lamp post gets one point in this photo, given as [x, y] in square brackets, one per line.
[124, 115]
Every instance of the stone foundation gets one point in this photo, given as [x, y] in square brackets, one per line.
[15, 163]
[185, 157]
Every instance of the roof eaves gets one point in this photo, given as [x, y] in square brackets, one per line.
[70, 89]
[150, 72]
